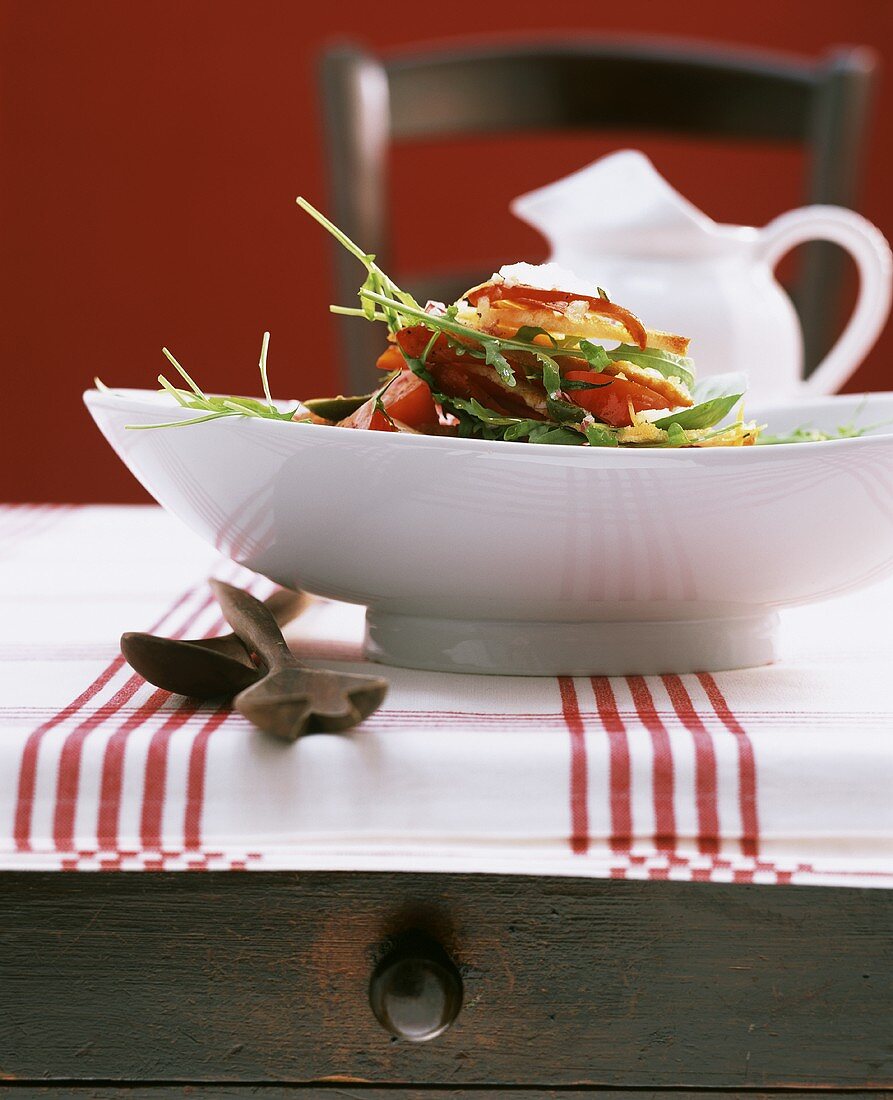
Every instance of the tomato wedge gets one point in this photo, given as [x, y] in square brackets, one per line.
[611, 403]
[407, 399]
[391, 359]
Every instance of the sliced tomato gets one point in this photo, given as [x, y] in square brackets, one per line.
[407, 399]
[369, 417]
[415, 338]
[391, 359]
[611, 403]
[378, 422]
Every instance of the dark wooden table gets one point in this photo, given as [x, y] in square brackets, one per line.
[228, 984]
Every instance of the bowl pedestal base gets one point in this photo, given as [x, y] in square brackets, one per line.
[572, 648]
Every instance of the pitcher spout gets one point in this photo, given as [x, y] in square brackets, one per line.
[621, 205]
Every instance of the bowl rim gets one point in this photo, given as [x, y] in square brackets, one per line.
[130, 399]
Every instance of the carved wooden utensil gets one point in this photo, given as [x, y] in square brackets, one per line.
[204, 668]
[292, 699]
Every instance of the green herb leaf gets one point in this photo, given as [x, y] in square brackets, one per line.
[367, 305]
[564, 411]
[527, 333]
[477, 410]
[676, 436]
[601, 436]
[494, 358]
[336, 408]
[564, 436]
[805, 434]
[551, 375]
[570, 384]
[521, 430]
[594, 354]
[704, 415]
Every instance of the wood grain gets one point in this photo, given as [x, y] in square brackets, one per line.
[263, 977]
[360, 1092]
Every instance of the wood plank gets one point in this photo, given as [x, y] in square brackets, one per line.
[263, 977]
[354, 1092]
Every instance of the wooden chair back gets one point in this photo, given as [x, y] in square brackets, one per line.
[654, 87]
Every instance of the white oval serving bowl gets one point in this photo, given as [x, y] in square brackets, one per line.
[477, 556]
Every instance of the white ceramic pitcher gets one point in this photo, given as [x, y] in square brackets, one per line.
[618, 222]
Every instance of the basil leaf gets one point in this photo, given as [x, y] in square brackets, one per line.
[600, 436]
[704, 415]
[676, 436]
[664, 362]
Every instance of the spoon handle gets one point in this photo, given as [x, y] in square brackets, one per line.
[284, 605]
[255, 626]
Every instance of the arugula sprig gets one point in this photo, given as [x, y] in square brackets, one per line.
[215, 408]
[376, 280]
[806, 434]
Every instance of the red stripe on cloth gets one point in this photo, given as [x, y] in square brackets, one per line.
[662, 775]
[68, 777]
[28, 768]
[195, 780]
[747, 768]
[620, 769]
[706, 793]
[30, 753]
[579, 779]
[113, 758]
[156, 775]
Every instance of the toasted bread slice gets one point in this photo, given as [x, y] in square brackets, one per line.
[548, 297]
[673, 389]
[505, 318]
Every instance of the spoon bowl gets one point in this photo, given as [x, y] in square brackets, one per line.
[204, 668]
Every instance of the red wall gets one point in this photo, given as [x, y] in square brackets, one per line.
[150, 153]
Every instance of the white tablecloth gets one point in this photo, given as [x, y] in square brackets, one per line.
[777, 775]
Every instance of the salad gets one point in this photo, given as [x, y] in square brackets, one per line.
[522, 357]
[534, 355]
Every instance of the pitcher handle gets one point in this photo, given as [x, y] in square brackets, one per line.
[868, 247]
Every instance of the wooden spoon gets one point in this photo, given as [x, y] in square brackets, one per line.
[292, 699]
[204, 668]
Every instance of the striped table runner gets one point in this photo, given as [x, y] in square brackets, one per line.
[775, 775]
